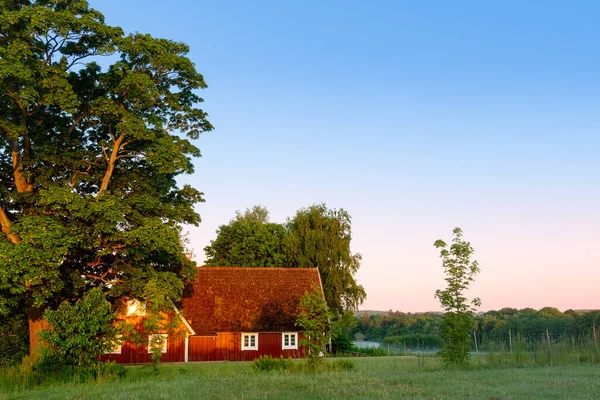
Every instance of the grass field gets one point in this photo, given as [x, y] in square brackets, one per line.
[381, 377]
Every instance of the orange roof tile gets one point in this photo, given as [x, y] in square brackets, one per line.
[235, 299]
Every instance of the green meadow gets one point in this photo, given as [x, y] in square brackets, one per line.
[373, 377]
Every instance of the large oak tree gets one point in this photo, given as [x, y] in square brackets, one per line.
[94, 129]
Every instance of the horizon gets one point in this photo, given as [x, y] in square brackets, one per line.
[415, 118]
[475, 312]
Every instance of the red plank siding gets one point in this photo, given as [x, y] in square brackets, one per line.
[228, 346]
[132, 354]
[203, 348]
[137, 354]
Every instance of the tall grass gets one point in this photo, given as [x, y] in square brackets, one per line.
[25, 376]
[522, 352]
[372, 378]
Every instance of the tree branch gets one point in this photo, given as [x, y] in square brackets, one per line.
[101, 279]
[76, 122]
[17, 164]
[5, 223]
[111, 164]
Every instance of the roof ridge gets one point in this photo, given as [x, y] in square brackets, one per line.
[256, 268]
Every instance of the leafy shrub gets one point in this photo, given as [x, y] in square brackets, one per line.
[110, 371]
[341, 341]
[268, 364]
[313, 319]
[14, 337]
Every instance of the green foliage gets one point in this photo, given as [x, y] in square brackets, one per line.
[80, 332]
[249, 240]
[416, 341]
[90, 155]
[14, 337]
[377, 326]
[257, 213]
[314, 320]
[341, 327]
[491, 327]
[458, 318]
[341, 340]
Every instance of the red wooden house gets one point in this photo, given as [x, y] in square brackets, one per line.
[242, 313]
[229, 313]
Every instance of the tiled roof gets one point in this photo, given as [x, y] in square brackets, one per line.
[234, 299]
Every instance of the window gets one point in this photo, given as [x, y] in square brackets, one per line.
[116, 347]
[155, 340]
[249, 341]
[136, 307]
[289, 341]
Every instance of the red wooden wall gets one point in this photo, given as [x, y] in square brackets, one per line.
[228, 346]
[137, 354]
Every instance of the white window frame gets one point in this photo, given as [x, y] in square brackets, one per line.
[289, 346]
[164, 346]
[136, 307]
[117, 347]
[249, 335]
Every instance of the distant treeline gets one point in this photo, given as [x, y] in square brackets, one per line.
[493, 326]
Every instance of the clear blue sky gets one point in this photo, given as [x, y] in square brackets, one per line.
[414, 116]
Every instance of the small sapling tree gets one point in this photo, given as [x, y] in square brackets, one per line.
[458, 317]
[314, 319]
[80, 331]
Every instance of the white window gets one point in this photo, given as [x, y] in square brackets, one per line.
[159, 340]
[249, 341]
[116, 347]
[136, 307]
[289, 341]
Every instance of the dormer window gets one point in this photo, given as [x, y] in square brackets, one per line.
[136, 307]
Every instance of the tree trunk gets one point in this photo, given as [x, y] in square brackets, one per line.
[36, 324]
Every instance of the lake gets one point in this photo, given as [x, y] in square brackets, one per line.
[365, 344]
